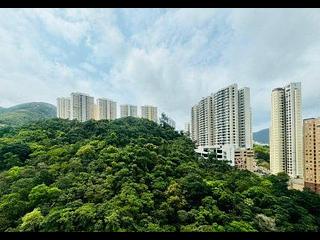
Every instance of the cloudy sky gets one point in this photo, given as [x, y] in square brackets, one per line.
[169, 58]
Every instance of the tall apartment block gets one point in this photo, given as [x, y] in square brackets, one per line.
[311, 152]
[205, 122]
[82, 107]
[194, 129]
[286, 131]
[63, 107]
[226, 116]
[105, 109]
[128, 111]
[149, 112]
[245, 118]
[223, 118]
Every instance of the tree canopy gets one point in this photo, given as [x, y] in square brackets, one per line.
[132, 174]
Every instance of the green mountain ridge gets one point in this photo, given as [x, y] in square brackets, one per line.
[25, 113]
[133, 175]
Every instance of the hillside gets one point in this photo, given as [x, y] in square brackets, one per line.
[133, 175]
[26, 113]
[261, 136]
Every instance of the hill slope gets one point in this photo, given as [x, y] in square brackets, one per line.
[26, 112]
[261, 136]
[134, 175]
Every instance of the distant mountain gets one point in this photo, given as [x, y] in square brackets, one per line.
[25, 113]
[261, 136]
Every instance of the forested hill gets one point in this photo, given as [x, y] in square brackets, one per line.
[134, 175]
[262, 136]
[25, 113]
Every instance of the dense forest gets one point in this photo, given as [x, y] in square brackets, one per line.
[135, 175]
[262, 155]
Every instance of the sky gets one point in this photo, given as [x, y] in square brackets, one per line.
[169, 58]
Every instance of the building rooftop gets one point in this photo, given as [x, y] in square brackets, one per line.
[278, 89]
[79, 93]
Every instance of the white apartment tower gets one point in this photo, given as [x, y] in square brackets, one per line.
[82, 107]
[223, 118]
[194, 131]
[245, 118]
[205, 122]
[63, 108]
[149, 112]
[105, 109]
[286, 131]
[226, 116]
[128, 111]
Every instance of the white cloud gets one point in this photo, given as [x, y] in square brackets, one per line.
[169, 58]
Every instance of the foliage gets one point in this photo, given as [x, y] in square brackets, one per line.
[132, 174]
[262, 154]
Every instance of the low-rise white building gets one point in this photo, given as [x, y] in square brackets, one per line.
[222, 152]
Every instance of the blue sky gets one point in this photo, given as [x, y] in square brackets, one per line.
[169, 58]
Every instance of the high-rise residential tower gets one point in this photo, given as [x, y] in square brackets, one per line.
[63, 108]
[205, 122]
[226, 116]
[245, 118]
[82, 107]
[149, 112]
[128, 111]
[286, 131]
[311, 152]
[223, 118]
[105, 109]
[194, 131]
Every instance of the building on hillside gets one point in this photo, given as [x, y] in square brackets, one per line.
[222, 152]
[105, 109]
[245, 118]
[149, 112]
[81, 107]
[63, 108]
[311, 152]
[286, 145]
[127, 110]
[223, 118]
[244, 159]
[194, 131]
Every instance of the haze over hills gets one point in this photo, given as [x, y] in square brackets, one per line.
[26, 112]
[261, 136]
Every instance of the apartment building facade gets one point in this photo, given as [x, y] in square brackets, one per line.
[127, 110]
[194, 128]
[311, 153]
[245, 118]
[105, 109]
[81, 107]
[244, 159]
[223, 118]
[286, 131]
[63, 108]
[149, 112]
